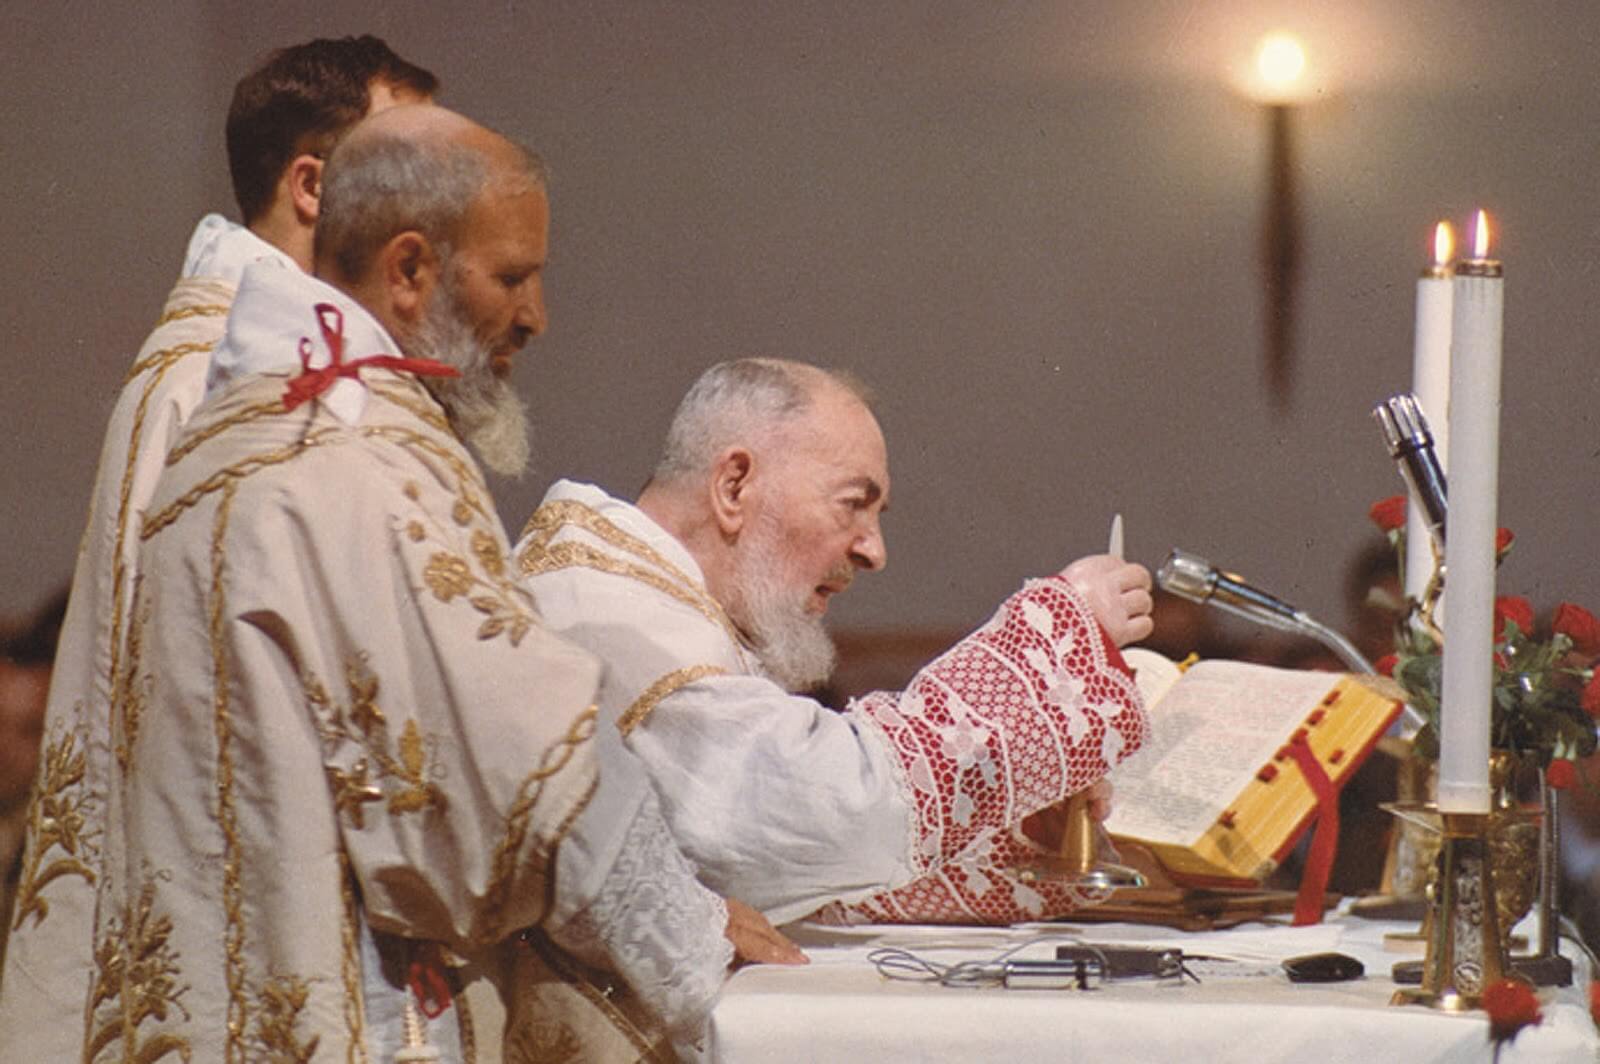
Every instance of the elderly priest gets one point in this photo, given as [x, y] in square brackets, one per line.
[706, 601]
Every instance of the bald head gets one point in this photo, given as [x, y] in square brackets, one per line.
[414, 168]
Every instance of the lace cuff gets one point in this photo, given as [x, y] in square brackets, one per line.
[658, 927]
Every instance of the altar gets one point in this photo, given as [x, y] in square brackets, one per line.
[1243, 1009]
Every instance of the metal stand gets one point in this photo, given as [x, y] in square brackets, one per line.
[1077, 861]
[1465, 954]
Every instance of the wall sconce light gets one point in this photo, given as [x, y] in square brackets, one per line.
[1279, 80]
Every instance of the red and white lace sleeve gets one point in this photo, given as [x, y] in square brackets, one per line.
[1031, 708]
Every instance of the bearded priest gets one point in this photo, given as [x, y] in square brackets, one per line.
[357, 761]
[706, 601]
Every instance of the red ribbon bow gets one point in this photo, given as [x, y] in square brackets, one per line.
[313, 382]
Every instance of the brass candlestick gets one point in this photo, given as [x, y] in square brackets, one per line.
[1465, 952]
[1077, 859]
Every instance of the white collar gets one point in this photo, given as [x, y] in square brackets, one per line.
[220, 250]
[275, 312]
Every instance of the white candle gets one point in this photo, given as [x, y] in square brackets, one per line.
[1474, 423]
[1430, 383]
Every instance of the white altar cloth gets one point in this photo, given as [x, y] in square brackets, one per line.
[839, 1008]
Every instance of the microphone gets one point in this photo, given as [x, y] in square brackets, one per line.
[1410, 442]
[1192, 577]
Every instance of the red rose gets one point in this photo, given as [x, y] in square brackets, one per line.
[1513, 608]
[1389, 514]
[1385, 665]
[1591, 695]
[1511, 1006]
[1579, 625]
[1561, 774]
[1502, 542]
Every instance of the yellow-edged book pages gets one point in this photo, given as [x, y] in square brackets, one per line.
[1215, 793]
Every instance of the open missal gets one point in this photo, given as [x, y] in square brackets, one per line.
[1216, 794]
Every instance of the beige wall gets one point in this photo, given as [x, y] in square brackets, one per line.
[1033, 226]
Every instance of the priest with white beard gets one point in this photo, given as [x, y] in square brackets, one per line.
[358, 762]
[706, 599]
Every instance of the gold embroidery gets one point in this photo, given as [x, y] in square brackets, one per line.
[355, 1008]
[55, 820]
[404, 394]
[136, 972]
[507, 854]
[204, 310]
[127, 690]
[646, 703]
[540, 555]
[486, 549]
[546, 1041]
[254, 412]
[162, 361]
[364, 724]
[571, 553]
[227, 816]
[616, 1004]
[278, 1007]
[229, 476]
[447, 576]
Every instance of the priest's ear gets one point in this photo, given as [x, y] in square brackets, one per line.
[407, 268]
[729, 489]
[303, 180]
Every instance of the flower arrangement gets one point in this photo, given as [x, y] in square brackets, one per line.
[1546, 686]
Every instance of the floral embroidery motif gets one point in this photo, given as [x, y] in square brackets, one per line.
[136, 980]
[56, 821]
[447, 576]
[401, 765]
[449, 572]
[278, 1006]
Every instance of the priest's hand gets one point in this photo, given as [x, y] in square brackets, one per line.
[1047, 825]
[1118, 592]
[755, 940]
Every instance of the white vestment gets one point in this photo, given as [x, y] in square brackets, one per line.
[48, 960]
[340, 714]
[906, 806]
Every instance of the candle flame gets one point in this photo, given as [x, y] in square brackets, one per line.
[1480, 237]
[1444, 243]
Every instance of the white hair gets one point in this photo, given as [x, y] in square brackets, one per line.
[740, 402]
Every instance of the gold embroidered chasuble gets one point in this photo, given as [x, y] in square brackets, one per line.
[327, 718]
[47, 960]
[320, 652]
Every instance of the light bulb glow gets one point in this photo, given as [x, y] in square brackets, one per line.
[1281, 60]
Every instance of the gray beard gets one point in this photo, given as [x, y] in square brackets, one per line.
[792, 645]
[484, 410]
